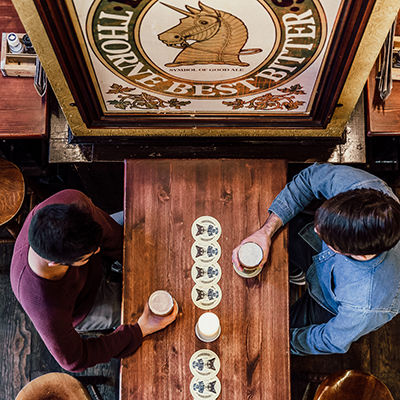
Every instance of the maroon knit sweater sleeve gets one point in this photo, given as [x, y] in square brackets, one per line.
[72, 351]
[55, 307]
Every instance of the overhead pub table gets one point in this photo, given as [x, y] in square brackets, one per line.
[162, 200]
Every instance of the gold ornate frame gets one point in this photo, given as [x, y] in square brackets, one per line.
[381, 18]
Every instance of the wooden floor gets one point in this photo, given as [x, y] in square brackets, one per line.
[24, 357]
[23, 354]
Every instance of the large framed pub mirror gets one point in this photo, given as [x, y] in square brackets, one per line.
[257, 68]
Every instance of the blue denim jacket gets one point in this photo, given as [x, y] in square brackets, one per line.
[362, 295]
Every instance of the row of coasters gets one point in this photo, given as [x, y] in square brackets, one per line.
[206, 294]
[204, 366]
[206, 272]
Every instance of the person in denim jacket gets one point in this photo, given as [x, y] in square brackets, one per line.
[354, 276]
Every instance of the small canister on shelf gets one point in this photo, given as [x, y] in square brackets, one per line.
[14, 44]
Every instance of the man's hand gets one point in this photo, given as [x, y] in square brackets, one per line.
[150, 323]
[258, 237]
[263, 237]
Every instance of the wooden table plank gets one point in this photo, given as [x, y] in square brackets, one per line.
[162, 200]
[22, 110]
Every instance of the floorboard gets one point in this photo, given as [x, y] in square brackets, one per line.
[16, 344]
[385, 355]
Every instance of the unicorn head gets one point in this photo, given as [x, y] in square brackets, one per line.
[199, 25]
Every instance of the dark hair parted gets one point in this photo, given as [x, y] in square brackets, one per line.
[359, 222]
[63, 233]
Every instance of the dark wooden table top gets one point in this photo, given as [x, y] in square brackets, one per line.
[162, 200]
[22, 110]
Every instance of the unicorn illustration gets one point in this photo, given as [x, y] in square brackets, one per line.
[218, 37]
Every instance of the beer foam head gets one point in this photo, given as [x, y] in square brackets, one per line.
[208, 323]
[250, 254]
[160, 302]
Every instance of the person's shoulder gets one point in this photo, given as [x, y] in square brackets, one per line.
[332, 170]
[338, 168]
[67, 196]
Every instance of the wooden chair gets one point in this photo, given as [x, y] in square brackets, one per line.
[352, 385]
[12, 193]
[54, 386]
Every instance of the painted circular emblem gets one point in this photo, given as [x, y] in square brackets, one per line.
[209, 49]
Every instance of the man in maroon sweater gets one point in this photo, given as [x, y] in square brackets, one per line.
[56, 275]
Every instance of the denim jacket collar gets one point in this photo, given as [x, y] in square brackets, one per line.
[372, 263]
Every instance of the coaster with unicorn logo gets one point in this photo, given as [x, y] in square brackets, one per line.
[205, 389]
[206, 297]
[205, 253]
[206, 274]
[204, 364]
[206, 229]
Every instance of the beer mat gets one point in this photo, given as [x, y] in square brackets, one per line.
[205, 389]
[206, 297]
[205, 253]
[206, 274]
[206, 229]
[247, 273]
[196, 329]
[204, 364]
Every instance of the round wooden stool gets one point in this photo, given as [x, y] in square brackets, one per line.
[54, 386]
[12, 190]
[352, 385]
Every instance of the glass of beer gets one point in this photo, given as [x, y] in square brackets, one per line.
[208, 327]
[250, 256]
[161, 303]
